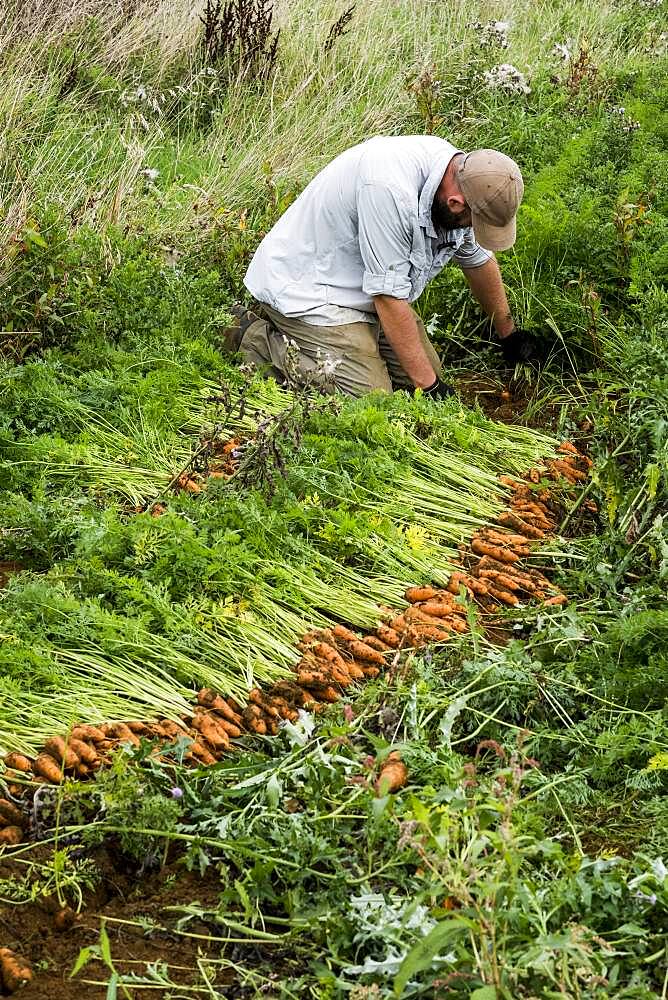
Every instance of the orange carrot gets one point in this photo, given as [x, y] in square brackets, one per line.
[61, 752]
[398, 624]
[15, 972]
[556, 601]
[495, 551]
[360, 651]
[501, 579]
[46, 767]
[377, 644]
[11, 813]
[211, 732]
[389, 636]
[10, 836]
[201, 753]
[393, 775]
[18, 762]
[468, 581]
[438, 609]
[88, 734]
[416, 594]
[514, 521]
[504, 596]
[328, 694]
[84, 751]
[569, 448]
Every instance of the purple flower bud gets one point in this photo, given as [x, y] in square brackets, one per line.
[177, 793]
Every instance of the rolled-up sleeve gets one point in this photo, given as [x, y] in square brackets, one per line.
[385, 241]
[470, 253]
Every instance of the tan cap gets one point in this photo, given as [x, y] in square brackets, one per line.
[493, 187]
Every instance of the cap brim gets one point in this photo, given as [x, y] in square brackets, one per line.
[494, 237]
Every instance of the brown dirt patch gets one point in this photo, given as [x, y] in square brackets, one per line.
[29, 929]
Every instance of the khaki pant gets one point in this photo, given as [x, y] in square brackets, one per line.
[354, 358]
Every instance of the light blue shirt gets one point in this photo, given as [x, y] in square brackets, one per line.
[362, 227]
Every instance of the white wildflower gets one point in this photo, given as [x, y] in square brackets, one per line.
[492, 33]
[151, 174]
[506, 77]
[141, 93]
[562, 51]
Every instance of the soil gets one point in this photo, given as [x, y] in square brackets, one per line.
[7, 570]
[30, 930]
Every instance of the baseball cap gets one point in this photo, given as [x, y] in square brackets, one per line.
[493, 187]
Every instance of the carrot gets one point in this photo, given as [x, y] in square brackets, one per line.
[377, 644]
[556, 601]
[504, 596]
[308, 678]
[11, 813]
[201, 753]
[428, 633]
[64, 919]
[514, 521]
[534, 475]
[495, 551]
[86, 753]
[416, 614]
[389, 636]
[61, 752]
[10, 836]
[258, 698]
[416, 594]
[257, 726]
[360, 651]
[170, 729]
[507, 481]
[292, 692]
[341, 632]
[439, 609]
[121, 732]
[46, 767]
[232, 731]
[501, 579]
[15, 971]
[18, 762]
[398, 624]
[568, 470]
[88, 734]
[457, 579]
[502, 537]
[393, 775]
[139, 728]
[328, 693]
[569, 448]
[370, 671]
[214, 735]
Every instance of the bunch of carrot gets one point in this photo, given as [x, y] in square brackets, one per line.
[334, 658]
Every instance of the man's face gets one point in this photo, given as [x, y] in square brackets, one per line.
[444, 218]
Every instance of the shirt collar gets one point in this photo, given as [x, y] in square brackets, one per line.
[429, 189]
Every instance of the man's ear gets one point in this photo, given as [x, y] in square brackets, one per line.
[457, 203]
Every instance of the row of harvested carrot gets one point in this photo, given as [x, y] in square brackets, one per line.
[492, 575]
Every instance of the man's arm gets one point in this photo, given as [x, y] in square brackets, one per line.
[399, 326]
[486, 285]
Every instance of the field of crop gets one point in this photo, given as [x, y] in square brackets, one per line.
[300, 696]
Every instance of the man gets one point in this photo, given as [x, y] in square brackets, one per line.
[334, 279]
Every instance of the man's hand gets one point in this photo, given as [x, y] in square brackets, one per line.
[439, 390]
[520, 347]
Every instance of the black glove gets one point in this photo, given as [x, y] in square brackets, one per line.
[519, 346]
[438, 390]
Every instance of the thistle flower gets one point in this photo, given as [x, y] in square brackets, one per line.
[562, 51]
[508, 78]
[492, 33]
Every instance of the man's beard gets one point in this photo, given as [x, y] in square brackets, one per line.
[443, 218]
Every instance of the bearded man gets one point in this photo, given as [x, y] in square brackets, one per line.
[334, 280]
